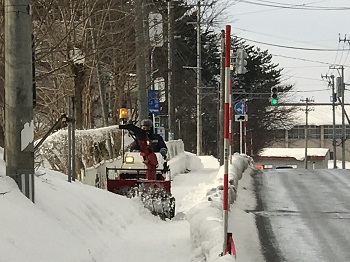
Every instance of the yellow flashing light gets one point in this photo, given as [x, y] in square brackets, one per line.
[123, 113]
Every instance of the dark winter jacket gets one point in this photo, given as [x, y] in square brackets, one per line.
[157, 143]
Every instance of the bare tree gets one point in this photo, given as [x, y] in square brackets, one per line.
[71, 43]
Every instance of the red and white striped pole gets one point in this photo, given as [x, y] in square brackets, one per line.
[230, 119]
[245, 128]
[226, 131]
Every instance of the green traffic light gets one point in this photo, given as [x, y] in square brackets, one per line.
[274, 101]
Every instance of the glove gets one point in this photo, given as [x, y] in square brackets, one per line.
[163, 152]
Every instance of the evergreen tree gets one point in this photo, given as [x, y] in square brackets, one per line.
[256, 85]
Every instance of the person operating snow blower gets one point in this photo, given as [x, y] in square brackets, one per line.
[158, 144]
[139, 176]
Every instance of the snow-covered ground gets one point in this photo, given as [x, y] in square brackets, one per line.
[339, 164]
[75, 222]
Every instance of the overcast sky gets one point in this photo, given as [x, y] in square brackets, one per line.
[297, 25]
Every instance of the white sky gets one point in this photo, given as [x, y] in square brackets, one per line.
[315, 29]
[76, 222]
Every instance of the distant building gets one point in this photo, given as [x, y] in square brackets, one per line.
[320, 130]
[293, 158]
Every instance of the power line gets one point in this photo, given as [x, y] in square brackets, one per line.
[310, 91]
[303, 59]
[298, 7]
[293, 47]
[271, 35]
[306, 4]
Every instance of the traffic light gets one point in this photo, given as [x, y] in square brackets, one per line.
[241, 62]
[274, 96]
[157, 122]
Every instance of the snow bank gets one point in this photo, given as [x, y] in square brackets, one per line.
[206, 218]
[80, 229]
[184, 161]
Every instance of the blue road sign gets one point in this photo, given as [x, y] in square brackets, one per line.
[240, 109]
[153, 102]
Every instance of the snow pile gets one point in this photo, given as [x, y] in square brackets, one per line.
[338, 164]
[205, 218]
[184, 161]
[74, 222]
[76, 229]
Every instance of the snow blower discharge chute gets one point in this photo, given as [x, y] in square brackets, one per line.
[139, 176]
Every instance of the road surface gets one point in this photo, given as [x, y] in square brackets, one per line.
[303, 215]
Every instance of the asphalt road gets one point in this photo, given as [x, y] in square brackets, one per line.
[303, 215]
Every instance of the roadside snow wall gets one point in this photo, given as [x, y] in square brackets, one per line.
[206, 218]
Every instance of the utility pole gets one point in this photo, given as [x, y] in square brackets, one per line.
[19, 123]
[342, 91]
[71, 174]
[199, 76]
[171, 108]
[147, 46]
[141, 61]
[342, 102]
[73, 166]
[307, 100]
[69, 131]
[343, 133]
[334, 98]
[222, 99]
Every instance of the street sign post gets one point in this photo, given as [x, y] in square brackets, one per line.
[153, 102]
[241, 108]
[241, 118]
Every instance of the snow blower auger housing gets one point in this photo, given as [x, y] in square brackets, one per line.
[140, 176]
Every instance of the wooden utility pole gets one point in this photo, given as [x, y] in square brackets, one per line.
[19, 123]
